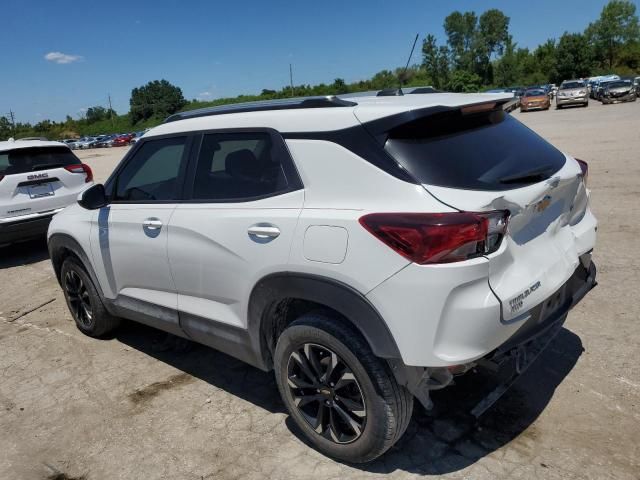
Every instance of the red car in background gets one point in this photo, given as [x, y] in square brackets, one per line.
[122, 140]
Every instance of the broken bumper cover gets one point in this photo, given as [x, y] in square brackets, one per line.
[521, 350]
[518, 352]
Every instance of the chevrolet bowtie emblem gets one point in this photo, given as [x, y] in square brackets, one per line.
[542, 205]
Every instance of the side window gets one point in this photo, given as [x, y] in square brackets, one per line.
[238, 166]
[152, 173]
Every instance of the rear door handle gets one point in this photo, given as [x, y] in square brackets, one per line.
[152, 224]
[264, 231]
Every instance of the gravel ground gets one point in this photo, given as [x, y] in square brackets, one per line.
[126, 407]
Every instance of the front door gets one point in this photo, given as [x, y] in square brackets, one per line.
[131, 234]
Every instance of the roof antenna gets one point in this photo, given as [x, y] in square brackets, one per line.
[406, 67]
[396, 92]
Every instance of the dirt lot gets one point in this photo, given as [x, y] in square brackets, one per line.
[73, 407]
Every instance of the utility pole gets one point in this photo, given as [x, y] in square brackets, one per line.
[110, 109]
[13, 120]
[291, 78]
[11, 115]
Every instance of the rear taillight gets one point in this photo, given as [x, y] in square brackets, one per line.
[427, 238]
[584, 166]
[81, 168]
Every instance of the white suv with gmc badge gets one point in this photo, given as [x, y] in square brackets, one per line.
[367, 249]
[37, 180]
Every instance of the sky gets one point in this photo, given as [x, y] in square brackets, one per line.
[60, 57]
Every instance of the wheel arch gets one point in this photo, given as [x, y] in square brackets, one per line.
[60, 247]
[278, 299]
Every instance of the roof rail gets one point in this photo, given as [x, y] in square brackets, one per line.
[420, 90]
[390, 92]
[264, 105]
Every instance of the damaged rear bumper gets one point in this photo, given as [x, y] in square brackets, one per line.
[517, 354]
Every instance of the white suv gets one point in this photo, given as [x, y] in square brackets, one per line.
[367, 249]
[37, 179]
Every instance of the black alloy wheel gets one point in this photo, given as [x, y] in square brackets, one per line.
[78, 298]
[326, 393]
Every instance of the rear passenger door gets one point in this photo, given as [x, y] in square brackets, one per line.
[236, 225]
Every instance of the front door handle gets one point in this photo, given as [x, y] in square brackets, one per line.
[152, 224]
[264, 231]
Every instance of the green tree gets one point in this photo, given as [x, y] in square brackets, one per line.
[5, 128]
[464, 81]
[383, 79]
[339, 86]
[546, 63]
[507, 68]
[462, 29]
[493, 32]
[156, 99]
[574, 57]
[617, 26]
[435, 61]
[96, 114]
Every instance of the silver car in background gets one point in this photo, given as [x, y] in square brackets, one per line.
[620, 91]
[572, 92]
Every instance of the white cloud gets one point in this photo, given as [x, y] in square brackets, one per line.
[62, 58]
[204, 95]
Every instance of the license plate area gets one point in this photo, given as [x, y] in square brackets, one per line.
[40, 190]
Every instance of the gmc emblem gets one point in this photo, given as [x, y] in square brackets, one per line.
[37, 176]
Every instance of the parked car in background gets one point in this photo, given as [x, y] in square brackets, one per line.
[535, 99]
[137, 137]
[619, 91]
[600, 83]
[600, 88]
[516, 99]
[636, 83]
[85, 142]
[37, 180]
[572, 92]
[106, 141]
[122, 140]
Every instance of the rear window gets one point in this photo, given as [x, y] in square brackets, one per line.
[23, 160]
[484, 151]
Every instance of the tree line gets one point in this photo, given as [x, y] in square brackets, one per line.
[479, 52]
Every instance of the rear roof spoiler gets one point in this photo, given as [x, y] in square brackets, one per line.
[382, 126]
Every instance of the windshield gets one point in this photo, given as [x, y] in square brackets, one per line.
[625, 83]
[534, 93]
[23, 160]
[486, 151]
[568, 85]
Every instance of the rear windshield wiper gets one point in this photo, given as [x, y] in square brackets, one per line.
[535, 175]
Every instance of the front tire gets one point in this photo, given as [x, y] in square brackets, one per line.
[83, 300]
[345, 400]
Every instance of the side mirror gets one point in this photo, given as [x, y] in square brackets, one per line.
[93, 198]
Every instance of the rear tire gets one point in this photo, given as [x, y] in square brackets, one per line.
[83, 300]
[345, 400]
